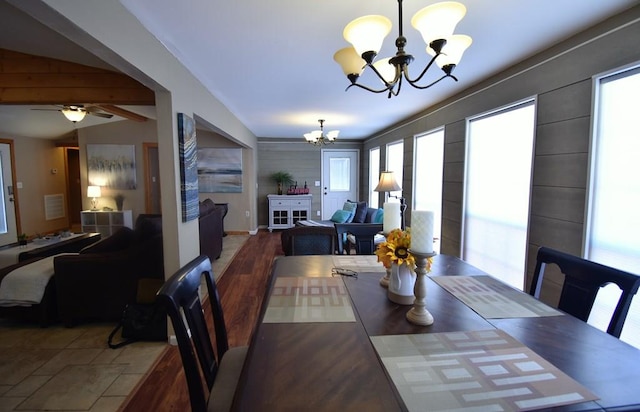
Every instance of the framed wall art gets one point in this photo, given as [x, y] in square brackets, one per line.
[220, 170]
[188, 167]
[112, 166]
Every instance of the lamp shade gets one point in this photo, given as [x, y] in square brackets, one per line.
[387, 183]
[94, 191]
[439, 20]
[333, 135]
[367, 33]
[74, 114]
[453, 50]
[349, 60]
[386, 70]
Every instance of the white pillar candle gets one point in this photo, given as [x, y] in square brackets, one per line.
[391, 218]
[422, 231]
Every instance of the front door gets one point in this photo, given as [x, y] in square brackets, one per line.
[8, 230]
[339, 179]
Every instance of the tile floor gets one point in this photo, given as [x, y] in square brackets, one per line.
[73, 369]
[64, 369]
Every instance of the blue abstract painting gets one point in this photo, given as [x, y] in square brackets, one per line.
[188, 167]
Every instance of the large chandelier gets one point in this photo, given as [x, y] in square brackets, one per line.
[317, 137]
[436, 23]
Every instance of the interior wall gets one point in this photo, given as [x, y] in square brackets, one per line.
[236, 219]
[561, 79]
[302, 160]
[40, 169]
[126, 132]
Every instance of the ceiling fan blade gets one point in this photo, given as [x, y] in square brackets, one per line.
[99, 114]
[118, 111]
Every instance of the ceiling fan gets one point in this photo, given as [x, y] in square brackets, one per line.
[76, 113]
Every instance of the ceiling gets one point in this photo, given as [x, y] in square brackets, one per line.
[271, 62]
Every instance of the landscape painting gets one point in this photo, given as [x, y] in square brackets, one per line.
[111, 165]
[219, 170]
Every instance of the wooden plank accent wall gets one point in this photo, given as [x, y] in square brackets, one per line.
[560, 78]
[300, 159]
[27, 79]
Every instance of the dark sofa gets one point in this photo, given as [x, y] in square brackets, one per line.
[46, 312]
[211, 227]
[100, 281]
[365, 223]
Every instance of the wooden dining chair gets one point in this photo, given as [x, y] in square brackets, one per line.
[583, 279]
[221, 368]
[360, 235]
[308, 240]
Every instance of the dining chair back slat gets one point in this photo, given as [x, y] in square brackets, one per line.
[583, 280]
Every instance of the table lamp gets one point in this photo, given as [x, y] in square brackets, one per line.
[388, 184]
[94, 192]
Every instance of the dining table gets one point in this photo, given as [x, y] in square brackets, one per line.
[326, 341]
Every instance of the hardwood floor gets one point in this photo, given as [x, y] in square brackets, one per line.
[241, 290]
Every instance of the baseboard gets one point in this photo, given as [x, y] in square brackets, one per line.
[253, 232]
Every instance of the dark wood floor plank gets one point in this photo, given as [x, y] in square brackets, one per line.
[241, 289]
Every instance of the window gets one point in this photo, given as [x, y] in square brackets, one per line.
[428, 166]
[613, 221]
[497, 192]
[339, 176]
[374, 176]
[395, 163]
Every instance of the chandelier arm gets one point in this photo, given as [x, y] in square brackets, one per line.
[388, 84]
[389, 87]
[393, 91]
[417, 79]
[434, 82]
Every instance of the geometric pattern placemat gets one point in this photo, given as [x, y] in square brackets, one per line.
[492, 299]
[359, 263]
[473, 371]
[302, 299]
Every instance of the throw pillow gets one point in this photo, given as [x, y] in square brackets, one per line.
[379, 217]
[361, 212]
[340, 216]
[371, 215]
[351, 208]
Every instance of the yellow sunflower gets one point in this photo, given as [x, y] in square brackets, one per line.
[396, 249]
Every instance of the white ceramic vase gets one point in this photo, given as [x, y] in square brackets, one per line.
[401, 283]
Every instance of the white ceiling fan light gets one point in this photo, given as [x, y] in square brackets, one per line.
[74, 113]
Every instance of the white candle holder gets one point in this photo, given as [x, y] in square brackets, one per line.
[419, 315]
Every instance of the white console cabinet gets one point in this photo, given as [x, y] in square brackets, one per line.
[105, 222]
[286, 210]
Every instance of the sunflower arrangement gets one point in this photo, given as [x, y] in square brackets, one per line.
[396, 249]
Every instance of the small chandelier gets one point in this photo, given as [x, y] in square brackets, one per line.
[436, 24]
[74, 113]
[317, 137]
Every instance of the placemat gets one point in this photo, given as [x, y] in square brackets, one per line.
[359, 263]
[474, 371]
[492, 299]
[302, 299]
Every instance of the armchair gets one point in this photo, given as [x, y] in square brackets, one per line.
[99, 281]
[211, 228]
